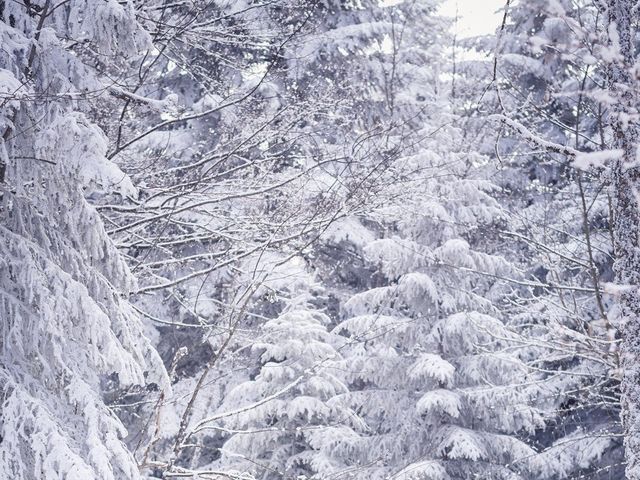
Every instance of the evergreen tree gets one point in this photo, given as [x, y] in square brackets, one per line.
[430, 366]
[287, 425]
[68, 331]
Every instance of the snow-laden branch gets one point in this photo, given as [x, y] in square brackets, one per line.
[202, 423]
[531, 137]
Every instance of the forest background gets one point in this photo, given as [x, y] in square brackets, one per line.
[287, 239]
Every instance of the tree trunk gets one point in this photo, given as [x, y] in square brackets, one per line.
[625, 181]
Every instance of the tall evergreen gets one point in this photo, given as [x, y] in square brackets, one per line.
[69, 334]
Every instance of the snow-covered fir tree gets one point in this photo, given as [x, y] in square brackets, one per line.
[68, 332]
[282, 422]
[430, 364]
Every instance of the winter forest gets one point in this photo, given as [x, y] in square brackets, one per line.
[319, 239]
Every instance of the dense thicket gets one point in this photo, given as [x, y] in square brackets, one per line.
[302, 239]
[547, 106]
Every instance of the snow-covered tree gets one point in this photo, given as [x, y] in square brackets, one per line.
[282, 423]
[551, 95]
[622, 85]
[430, 364]
[68, 331]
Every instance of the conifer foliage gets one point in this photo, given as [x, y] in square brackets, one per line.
[272, 239]
[67, 327]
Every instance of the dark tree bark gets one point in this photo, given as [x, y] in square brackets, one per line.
[625, 182]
